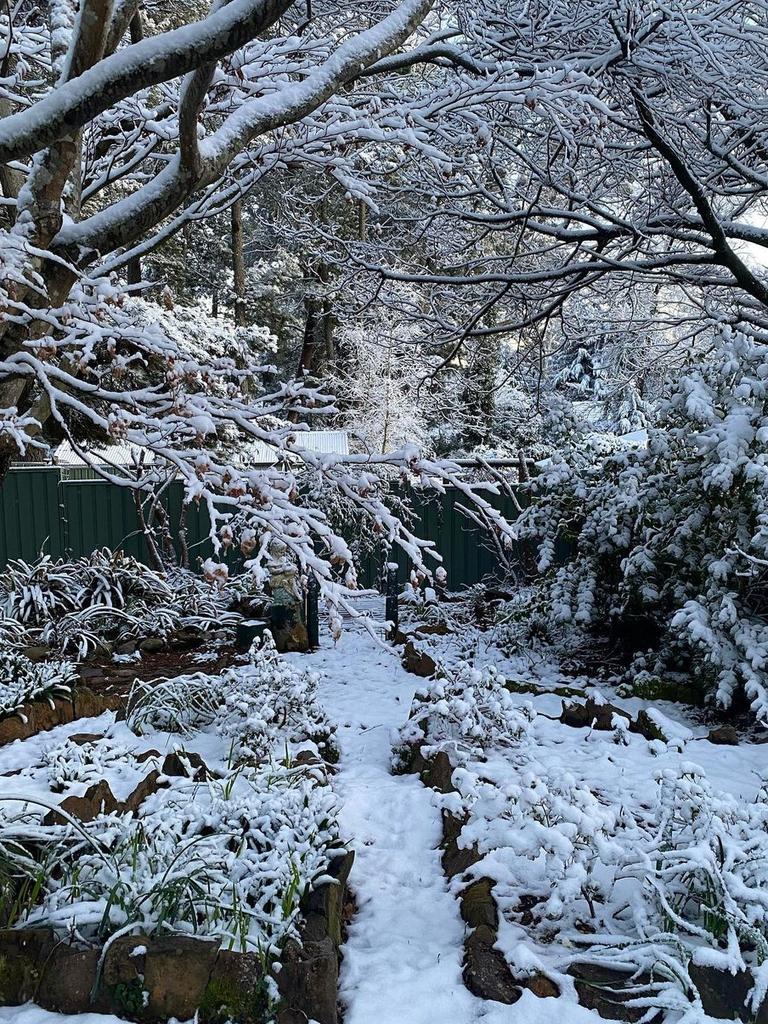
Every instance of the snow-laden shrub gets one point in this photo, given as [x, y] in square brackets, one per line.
[22, 681]
[66, 762]
[230, 859]
[549, 837]
[670, 542]
[700, 864]
[463, 712]
[270, 699]
[257, 708]
[75, 606]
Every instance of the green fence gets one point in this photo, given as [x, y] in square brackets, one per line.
[40, 512]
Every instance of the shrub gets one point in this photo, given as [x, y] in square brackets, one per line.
[670, 543]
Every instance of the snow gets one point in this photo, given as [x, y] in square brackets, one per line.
[402, 959]
[403, 953]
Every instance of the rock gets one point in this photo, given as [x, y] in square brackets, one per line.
[145, 788]
[68, 978]
[724, 995]
[185, 639]
[23, 952]
[590, 714]
[328, 900]
[308, 979]
[456, 860]
[438, 773]
[417, 662]
[97, 799]
[478, 907]
[145, 755]
[432, 629]
[39, 716]
[606, 991]
[486, 973]
[152, 645]
[81, 738]
[646, 726]
[92, 703]
[541, 986]
[187, 765]
[724, 735]
[127, 647]
[38, 653]
[176, 975]
[236, 990]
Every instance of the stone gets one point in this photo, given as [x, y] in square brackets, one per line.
[146, 755]
[68, 979]
[647, 727]
[308, 979]
[145, 788]
[724, 995]
[97, 799]
[478, 907]
[186, 765]
[433, 629]
[606, 991]
[37, 653]
[81, 738]
[176, 974]
[185, 639]
[541, 986]
[724, 735]
[23, 952]
[417, 661]
[92, 703]
[328, 900]
[456, 860]
[590, 714]
[236, 990]
[486, 973]
[152, 645]
[438, 773]
[127, 647]
[39, 716]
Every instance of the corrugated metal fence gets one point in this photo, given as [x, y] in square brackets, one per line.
[40, 512]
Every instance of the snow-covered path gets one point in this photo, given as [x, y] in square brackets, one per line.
[402, 960]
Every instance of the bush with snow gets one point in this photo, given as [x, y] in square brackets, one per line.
[462, 712]
[670, 543]
[75, 605]
[230, 859]
[23, 681]
[257, 708]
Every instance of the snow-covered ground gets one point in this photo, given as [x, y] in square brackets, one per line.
[404, 949]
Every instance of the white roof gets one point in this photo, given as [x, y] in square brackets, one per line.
[324, 442]
[113, 454]
[256, 453]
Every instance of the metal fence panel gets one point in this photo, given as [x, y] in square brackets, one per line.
[39, 511]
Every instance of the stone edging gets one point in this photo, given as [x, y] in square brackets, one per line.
[49, 712]
[485, 970]
[152, 978]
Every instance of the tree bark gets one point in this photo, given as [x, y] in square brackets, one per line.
[238, 262]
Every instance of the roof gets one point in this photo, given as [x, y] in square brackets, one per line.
[324, 442]
[114, 454]
[257, 453]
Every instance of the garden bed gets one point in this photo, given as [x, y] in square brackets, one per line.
[210, 878]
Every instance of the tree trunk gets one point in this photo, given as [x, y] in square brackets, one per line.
[238, 262]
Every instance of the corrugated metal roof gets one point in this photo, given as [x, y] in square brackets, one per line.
[324, 442]
[256, 453]
[114, 455]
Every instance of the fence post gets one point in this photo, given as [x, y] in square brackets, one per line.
[313, 618]
[390, 607]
